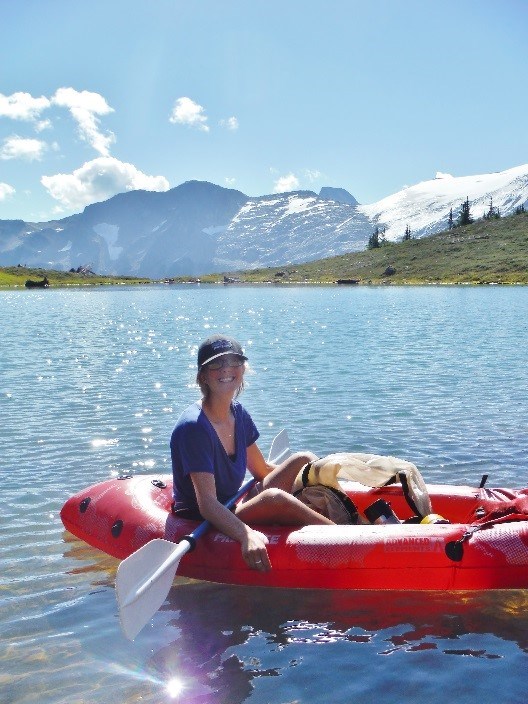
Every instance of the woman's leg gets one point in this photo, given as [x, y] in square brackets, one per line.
[283, 476]
[276, 506]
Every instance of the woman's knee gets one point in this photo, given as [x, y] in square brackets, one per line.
[275, 497]
[299, 459]
[283, 476]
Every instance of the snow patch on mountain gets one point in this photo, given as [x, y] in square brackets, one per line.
[110, 234]
[425, 207]
[214, 230]
[298, 205]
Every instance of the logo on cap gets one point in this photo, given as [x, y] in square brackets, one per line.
[221, 345]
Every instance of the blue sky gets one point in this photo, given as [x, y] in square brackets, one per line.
[103, 96]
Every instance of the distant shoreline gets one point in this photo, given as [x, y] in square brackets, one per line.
[15, 277]
[249, 284]
[486, 252]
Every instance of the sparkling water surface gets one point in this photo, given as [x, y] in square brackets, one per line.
[92, 382]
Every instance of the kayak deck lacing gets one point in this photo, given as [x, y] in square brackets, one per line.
[509, 514]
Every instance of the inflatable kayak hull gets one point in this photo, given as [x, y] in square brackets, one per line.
[484, 547]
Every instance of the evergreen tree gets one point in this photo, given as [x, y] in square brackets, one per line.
[492, 211]
[407, 236]
[519, 209]
[450, 222]
[374, 239]
[464, 217]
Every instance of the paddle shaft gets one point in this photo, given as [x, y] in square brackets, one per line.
[181, 548]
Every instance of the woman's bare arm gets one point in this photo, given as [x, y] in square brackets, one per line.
[256, 463]
[252, 542]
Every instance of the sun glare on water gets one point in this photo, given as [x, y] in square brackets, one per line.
[174, 688]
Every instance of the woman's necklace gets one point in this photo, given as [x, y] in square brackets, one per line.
[225, 425]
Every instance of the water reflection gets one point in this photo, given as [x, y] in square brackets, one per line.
[229, 638]
[100, 567]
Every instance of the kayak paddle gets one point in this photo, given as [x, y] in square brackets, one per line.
[144, 578]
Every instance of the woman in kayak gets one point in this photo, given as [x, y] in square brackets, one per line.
[213, 444]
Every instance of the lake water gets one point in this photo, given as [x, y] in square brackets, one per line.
[92, 382]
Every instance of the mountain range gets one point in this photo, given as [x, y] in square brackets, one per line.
[199, 227]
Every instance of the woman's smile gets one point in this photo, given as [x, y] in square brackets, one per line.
[227, 376]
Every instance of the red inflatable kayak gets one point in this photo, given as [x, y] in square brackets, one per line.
[485, 545]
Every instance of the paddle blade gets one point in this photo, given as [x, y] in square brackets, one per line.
[280, 448]
[143, 581]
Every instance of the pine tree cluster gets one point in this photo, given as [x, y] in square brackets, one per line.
[377, 239]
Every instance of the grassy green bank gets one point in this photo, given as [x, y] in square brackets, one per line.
[16, 276]
[487, 251]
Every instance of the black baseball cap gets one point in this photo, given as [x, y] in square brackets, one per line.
[216, 346]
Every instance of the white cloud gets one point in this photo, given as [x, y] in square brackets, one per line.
[290, 182]
[22, 106]
[20, 148]
[231, 123]
[98, 180]
[84, 107]
[313, 175]
[42, 125]
[6, 191]
[229, 182]
[187, 112]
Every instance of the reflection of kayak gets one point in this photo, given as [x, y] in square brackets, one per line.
[405, 620]
[484, 547]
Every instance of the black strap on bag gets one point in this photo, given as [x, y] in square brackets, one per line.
[406, 492]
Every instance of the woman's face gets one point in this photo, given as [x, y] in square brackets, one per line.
[224, 375]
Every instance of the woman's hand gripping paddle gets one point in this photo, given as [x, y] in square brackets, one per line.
[144, 579]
